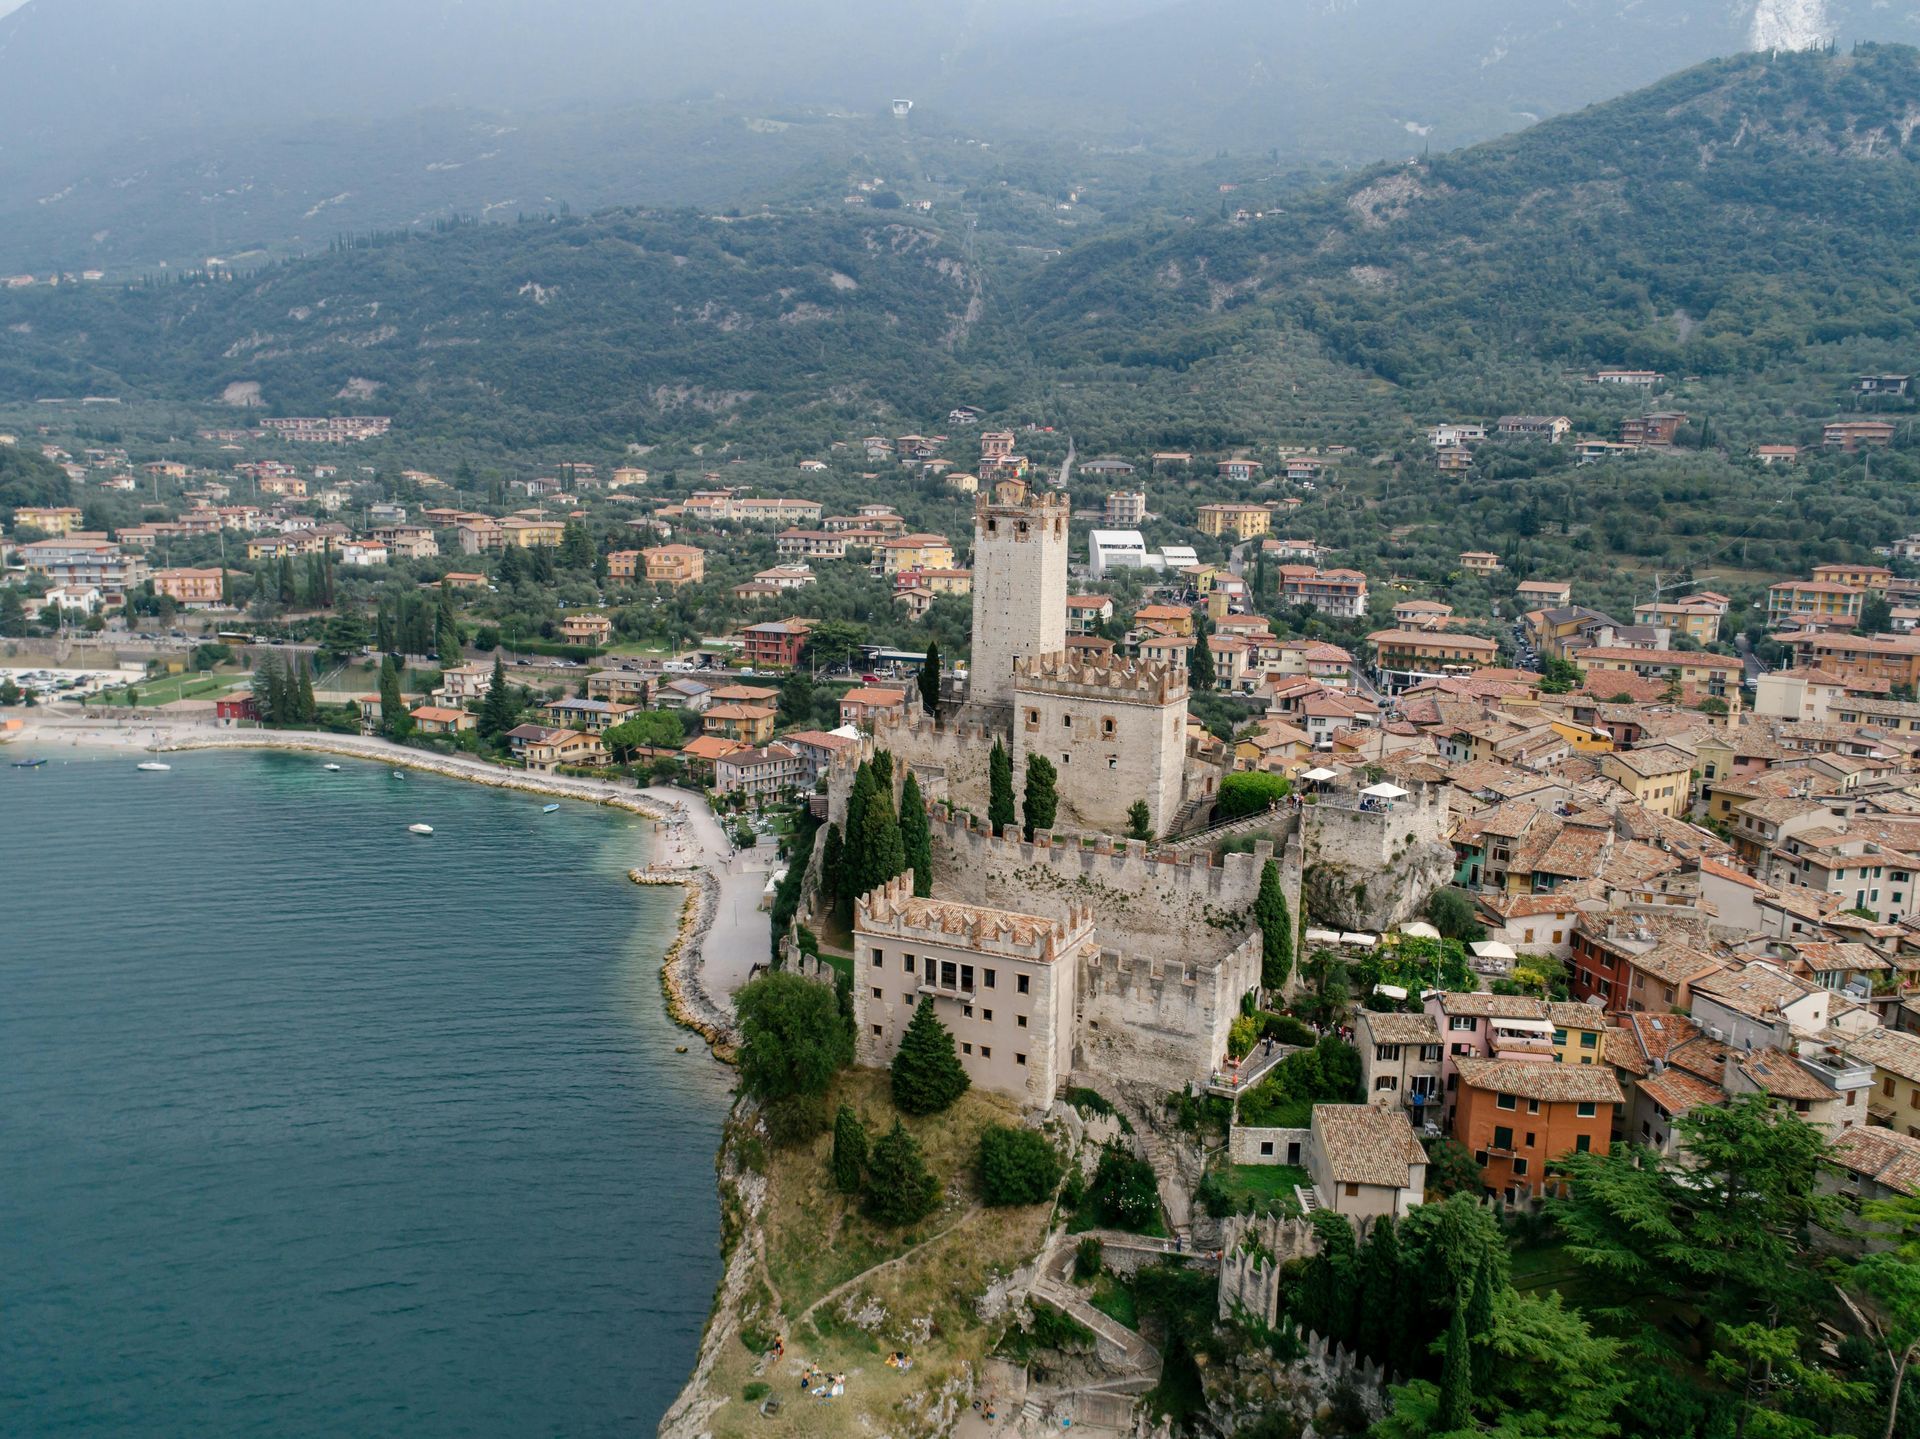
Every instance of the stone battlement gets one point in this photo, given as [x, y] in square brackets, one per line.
[1103, 677]
[895, 911]
[1102, 854]
[1017, 500]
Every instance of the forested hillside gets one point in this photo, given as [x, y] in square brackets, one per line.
[566, 328]
[1755, 222]
[1717, 223]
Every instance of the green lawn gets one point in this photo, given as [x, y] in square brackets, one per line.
[1266, 1185]
[1115, 1300]
[169, 688]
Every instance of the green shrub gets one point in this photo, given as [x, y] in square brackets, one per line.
[756, 1391]
[1250, 793]
[795, 1119]
[1086, 1258]
[1017, 1166]
[1125, 1193]
[1285, 1029]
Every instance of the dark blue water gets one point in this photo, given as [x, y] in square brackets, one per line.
[308, 1126]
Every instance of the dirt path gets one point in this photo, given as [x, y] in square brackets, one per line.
[866, 1274]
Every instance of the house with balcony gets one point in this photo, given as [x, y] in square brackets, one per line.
[1400, 1059]
[1517, 1117]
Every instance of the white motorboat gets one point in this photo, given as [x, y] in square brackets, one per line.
[419, 829]
[334, 767]
[152, 764]
[548, 808]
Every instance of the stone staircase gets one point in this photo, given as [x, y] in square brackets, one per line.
[1191, 816]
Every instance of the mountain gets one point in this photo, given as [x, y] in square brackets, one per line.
[1753, 218]
[133, 132]
[562, 328]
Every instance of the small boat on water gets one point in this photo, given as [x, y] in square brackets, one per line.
[152, 765]
[399, 774]
[28, 763]
[334, 767]
[548, 808]
[419, 829]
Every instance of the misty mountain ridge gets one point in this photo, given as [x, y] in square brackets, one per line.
[132, 132]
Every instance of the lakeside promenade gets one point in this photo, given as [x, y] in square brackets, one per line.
[723, 934]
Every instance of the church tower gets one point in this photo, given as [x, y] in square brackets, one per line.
[1019, 585]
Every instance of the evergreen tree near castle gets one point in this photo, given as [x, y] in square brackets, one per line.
[927, 1076]
[1000, 789]
[929, 679]
[1139, 820]
[874, 850]
[899, 1188]
[849, 1150]
[1200, 675]
[1043, 793]
[1275, 922]
[916, 836]
[833, 878]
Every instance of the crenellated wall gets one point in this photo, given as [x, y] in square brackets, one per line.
[1160, 1023]
[1162, 904]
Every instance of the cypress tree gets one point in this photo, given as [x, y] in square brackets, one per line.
[309, 708]
[1275, 920]
[264, 670]
[927, 1076]
[1382, 1311]
[1200, 676]
[496, 711]
[899, 1188]
[930, 679]
[1480, 1325]
[1456, 1373]
[1043, 795]
[286, 592]
[849, 1150]
[833, 878]
[916, 837]
[853, 836]
[1000, 786]
[880, 853]
[394, 719]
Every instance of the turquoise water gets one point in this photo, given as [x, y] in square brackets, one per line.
[309, 1126]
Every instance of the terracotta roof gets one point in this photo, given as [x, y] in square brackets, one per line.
[1673, 962]
[1892, 1050]
[1780, 1074]
[1465, 1003]
[1882, 1155]
[1567, 1015]
[1677, 1092]
[1755, 989]
[1367, 1144]
[1531, 1079]
[1396, 1028]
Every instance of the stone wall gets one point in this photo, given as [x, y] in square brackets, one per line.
[950, 759]
[1149, 903]
[1374, 869]
[1161, 1024]
[1243, 1145]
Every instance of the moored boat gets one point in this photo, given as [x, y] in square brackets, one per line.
[419, 829]
[152, 764]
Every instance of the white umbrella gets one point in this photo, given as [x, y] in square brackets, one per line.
[1320, 776]
[1419, 929]
[1384, 791]
[1491, 949]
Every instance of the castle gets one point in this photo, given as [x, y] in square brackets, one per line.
[1076, 953]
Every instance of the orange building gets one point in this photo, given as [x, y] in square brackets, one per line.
[674, 565]
[1516, 1116]
[195, 589]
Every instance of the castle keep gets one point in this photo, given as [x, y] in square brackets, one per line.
[1116, 730]
[1019, 585]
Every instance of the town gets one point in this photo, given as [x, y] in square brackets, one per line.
[1297, 898]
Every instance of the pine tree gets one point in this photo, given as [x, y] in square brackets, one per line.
[496, 711]
[1275, 921]
[1456, 1373]
[1000, 788]
[849, 1150]
[1043, 795]
[930, 679]
[927, 1076]
[1139, 820]
[833, 878]
[899, 1188]
[395, 722]
[916, 837]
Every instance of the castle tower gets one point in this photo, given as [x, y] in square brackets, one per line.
[1019, 585]
[1115, 730]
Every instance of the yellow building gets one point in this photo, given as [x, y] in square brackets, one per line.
[674, 565]
[1865, 577]
[1702, 625]
[586, 629]
[915, 552]
[1717, 676]
[1814, 600]
[1431, 651]
[52, 519]
[1579, 1033]
[1583, 740]
[525, 532]
[1657, 776]
[1895, 1056]
[742, 723]
[1241, 522]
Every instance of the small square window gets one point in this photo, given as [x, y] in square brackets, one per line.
[1506, 1101]
[877, 957]
[989, 977]
[966, 1011]
[876, 994]
[985, 1052]
[1585, 1109]
[1580, 1143]
[1020, 1059]
[1021, 986]
[1021, 1022]
[987, 1015]
[876, 1029]
[1266, 1147]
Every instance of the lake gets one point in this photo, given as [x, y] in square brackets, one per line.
[311, 1126]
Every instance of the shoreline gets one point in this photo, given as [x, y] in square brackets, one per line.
[686, 862]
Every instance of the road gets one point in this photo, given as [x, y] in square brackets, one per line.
[740, 936]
